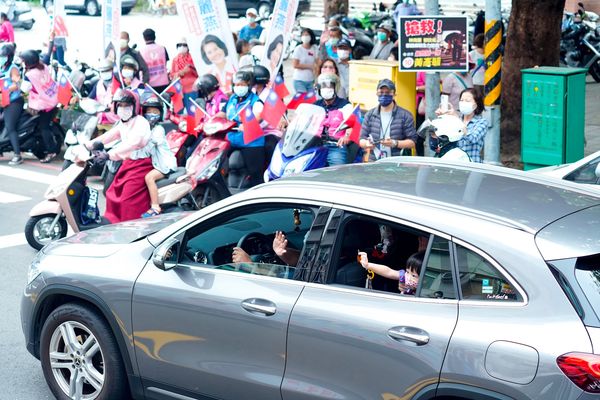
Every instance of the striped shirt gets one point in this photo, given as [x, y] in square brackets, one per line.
[472, 142]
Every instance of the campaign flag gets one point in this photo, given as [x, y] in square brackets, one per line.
[114, 84]
[278, 34]
[252, 129]
[111, 29]
[300, 98]
[280, 88]
[273, 109]
[176, 91]
[194, 117]
[205, 24]
[354, 121]
[6, 82]
[64, 89]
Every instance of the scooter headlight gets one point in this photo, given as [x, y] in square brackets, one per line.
[296, 166]
[209, 170]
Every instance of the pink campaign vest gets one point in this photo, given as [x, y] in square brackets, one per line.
[156, 58]
[43, 96]
[104, 96]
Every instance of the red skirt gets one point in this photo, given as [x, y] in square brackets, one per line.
[127, 197]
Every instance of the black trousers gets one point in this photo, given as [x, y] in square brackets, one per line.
[12, 113]
[45, 117]
[254, 158]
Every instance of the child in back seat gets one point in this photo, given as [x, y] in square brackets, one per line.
[408, 279]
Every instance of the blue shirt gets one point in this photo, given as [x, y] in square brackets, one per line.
[472, 142]
[232, 110]
[247, 32]
[5, 74]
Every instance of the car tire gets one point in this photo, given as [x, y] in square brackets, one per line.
[264, 10]
[93, 358]
[91, 8]
[38, 239]
[125, 11]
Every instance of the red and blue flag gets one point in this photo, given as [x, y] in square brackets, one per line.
[176, 91]
[279, 87]
[301, 98]
[251, 126]
[273, 109]
[64, 90]
[6, 82]
[194, 117]
[355, 122]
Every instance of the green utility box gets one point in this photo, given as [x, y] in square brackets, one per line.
[553, 116]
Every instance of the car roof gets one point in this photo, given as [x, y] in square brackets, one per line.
[527, 200]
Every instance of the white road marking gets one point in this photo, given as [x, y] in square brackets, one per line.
[24, 174]
[6, 198]
[17, 239]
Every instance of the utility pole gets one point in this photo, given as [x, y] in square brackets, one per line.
[493, 79]
[432, 79]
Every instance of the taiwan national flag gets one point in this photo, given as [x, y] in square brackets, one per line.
[279, 87]
[273, 109]
[5, 92]
[64, 90]
[252, 129]
[355, 122]
[176, 91]
[300, 98]
[114, 85]
[194, 116]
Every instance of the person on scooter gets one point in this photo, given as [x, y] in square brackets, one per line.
[272, 133]
[42, 100]
[12, 112]
[242, 97]
[103, 92]
[129, 73]
[210, 93]
[336, 141]
[127, 197]
[163, 159]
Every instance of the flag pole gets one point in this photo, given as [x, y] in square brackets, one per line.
[200, 108]
[170, 85]
[71, 83]
[167, 103]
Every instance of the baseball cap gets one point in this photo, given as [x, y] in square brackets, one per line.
[387, 25]
[344, 42]
[251, 11]
[386, 83]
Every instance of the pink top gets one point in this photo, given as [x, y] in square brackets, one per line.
[420, 82]
[134, 135]
[156, 59]
[7, 33]
[214, 106]
[44, 94]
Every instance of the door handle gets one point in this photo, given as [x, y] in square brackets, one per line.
[259, 306]
[410, 334]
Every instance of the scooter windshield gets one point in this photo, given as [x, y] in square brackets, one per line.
[304, 130]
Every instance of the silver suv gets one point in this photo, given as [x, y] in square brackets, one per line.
[506, 305]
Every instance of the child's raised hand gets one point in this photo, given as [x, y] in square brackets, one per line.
[363, 259]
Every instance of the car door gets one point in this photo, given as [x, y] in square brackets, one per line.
[348, 342]
[213, 328]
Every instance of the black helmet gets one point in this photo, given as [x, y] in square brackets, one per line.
[31, 58]
[129, 61]
[151, 100]
[261, 74]
[244, 76]
[8, 50]
[207, 84]
[127, 97]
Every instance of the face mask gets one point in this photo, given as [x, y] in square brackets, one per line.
[125, 113]
[382, 36]
[333, 41]
[127, 73]
[343, 54]
[124, 43]
[385, 99]
[411, 280]
[251, 19]
[106, 76]
[3, 60]
[182, 49]
[240, 91]
[465, 107]
[305, 39]
[152, 118]
[327, 93]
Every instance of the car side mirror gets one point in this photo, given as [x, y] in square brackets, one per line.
[597, 170]
[165, 255]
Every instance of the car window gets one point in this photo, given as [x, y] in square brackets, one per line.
[253, 229]
[437, 279]
[480, 280]
[585, 174]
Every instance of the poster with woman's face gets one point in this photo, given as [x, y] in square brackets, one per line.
[209, 38]
[278, 35]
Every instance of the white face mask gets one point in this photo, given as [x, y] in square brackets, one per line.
[127, 73]
[343, 54]
[125, 113]
[124, 43]
[182, 49]
[327, 93]
[240, 91]
[305, 39]
[466, 107]
[251, 19]
[106, 75]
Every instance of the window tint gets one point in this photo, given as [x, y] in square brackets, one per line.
[437, 280]
[587, 272]
[585, 174]
[480, 280]
[212, 243]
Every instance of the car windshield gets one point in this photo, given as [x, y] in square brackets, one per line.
[303, 129]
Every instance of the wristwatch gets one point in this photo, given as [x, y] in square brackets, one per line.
[394, 143]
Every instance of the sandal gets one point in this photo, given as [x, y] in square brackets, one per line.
[49, 157]
[152, 212]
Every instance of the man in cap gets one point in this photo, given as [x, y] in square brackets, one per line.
[383, 45]
[252, 30]
[344, 53]
[388, 128]
[127, 50]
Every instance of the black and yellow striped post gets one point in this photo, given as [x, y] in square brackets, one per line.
[493, 80]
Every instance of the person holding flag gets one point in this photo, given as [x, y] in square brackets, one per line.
[388, 128]
[12, 100]
[243, 107]
[274, 109]
[104, 90]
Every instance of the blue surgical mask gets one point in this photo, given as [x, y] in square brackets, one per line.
[152, 118]
[240, 91]
[385, 99]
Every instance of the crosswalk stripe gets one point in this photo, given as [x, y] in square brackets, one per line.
[17, 239]
[32, 176]
[6, 198]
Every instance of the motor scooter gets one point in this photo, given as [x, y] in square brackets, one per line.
[83, 128]
[18, 12]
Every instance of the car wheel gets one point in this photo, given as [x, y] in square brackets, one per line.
[91, 8]
[264, 10]
[126, 11]
[80, 357]
[38, 233]
[49, 6]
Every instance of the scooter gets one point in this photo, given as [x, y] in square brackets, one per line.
[19, 13]
[82, 129]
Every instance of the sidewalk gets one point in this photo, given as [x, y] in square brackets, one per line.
[592, 116]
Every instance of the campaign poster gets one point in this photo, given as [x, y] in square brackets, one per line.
[433, 43]
[278, 35]
[111, 33]
[206, 28]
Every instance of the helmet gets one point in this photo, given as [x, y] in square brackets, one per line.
[31, 58]
[327, 80]
[7, 50]
[129, 61]
[207, 84]
[244, 76]
[127, 97]
[449, 128]
[151, 100]
[105, 65]
[261, 74]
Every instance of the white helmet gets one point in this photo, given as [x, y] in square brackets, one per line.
[449, 126]
[327, 80]
[105, 65]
